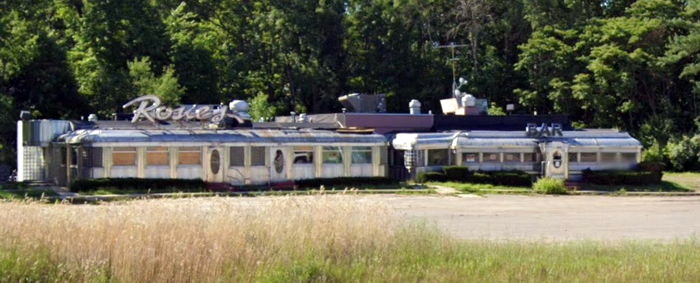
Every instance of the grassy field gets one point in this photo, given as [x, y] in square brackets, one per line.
[689, 180]
[313, 238]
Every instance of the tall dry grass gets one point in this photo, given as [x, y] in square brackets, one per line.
[195, 239]
[283, 239]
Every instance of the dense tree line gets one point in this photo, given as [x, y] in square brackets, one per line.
[633, 65]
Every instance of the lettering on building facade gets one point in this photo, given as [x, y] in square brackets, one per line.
[532, 130]
[150, 108]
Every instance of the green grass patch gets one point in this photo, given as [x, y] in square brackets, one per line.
[26, 193]
[690, 180]
[664, 186]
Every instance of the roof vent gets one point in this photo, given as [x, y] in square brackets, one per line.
[414, 107]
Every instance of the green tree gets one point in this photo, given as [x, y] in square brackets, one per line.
[166, 87]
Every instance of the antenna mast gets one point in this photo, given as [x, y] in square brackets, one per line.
[452, 46]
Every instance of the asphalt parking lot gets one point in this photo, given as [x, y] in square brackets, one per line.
[554, 218]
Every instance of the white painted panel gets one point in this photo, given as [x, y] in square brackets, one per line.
[235, 175]
[361, 170]
[259, 174]
[333, 170]
[161, 171]
[189, 172]
[123, 171]
[97, 172]
[304, 171]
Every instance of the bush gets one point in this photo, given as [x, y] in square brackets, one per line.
[139, 184]
[425, 177]
[480, 178]
[622, 177]
[343, 182]
[456, 173]
[684, 154]
[550, 186]
[511, 178]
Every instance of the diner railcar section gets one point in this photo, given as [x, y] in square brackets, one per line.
[245, 156]
[564, 155]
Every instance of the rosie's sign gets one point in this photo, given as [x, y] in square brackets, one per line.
[149, 107]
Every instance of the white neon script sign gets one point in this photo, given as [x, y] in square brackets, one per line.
[149, 107]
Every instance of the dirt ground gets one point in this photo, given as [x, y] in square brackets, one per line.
[554, 218]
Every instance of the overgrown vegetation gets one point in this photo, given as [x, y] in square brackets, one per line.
[513, 178]
[550, 186]
[621, 177]
[139, 185]
[326, 238]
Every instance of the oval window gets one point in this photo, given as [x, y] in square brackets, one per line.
[214, 162]
[279, 161]
[557, 159]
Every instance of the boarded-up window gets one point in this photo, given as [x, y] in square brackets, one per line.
[628, 156]
[589, 157]
[332, 155]
[361, 155]
[257, 156]
[437, 157]
[157, 156]
[470, 157]
[511, 157]
[303, 154]
[236, 156]
[124, 156]
[573, 157]
[608, 157]
[492, 157]
[190, 155]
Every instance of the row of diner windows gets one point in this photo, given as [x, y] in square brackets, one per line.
[159, 156]
[438, 157]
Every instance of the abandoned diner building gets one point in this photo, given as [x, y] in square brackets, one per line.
[220, 144]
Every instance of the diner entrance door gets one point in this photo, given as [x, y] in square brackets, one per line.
[214, 164]
[278, 172]
[556, 160]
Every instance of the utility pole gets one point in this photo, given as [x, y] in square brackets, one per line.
[452, 46]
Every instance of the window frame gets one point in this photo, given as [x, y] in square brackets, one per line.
[240, 157]
[331, 149]
[361, 150]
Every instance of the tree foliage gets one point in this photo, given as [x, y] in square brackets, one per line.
[627, 64]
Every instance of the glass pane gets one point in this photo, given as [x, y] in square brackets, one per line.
[607, 157]
[257, 156]
[236, 156]
[573, 157]
[529, 157]
[470, 157]
[492, 157]
[303, 154]
[628, 157]
[511, 157]
[438, 157]
[332, 154]
[589, 157]
[361, 157]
